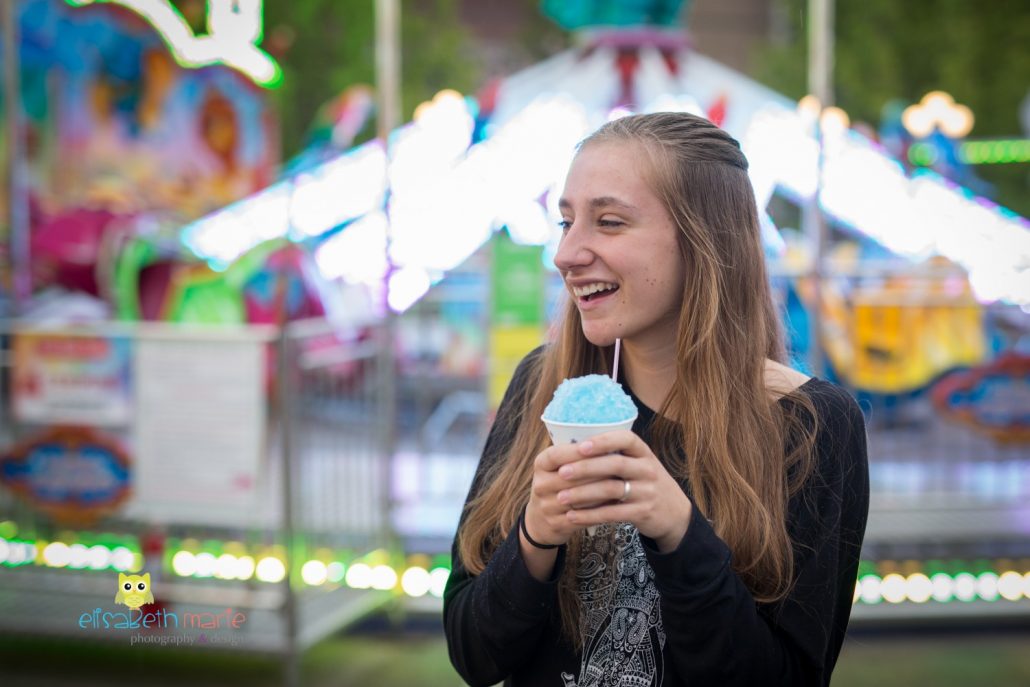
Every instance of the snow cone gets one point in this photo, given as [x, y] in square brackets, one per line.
[586, 406]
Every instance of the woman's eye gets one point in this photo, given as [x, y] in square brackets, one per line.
[610, 222]
[564, 224]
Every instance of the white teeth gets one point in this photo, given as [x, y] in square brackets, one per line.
[581, 291]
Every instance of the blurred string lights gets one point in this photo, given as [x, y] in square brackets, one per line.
[833, 121]
[447, 194]
[993, 152]
[234, 31]
[419, 575]
[938, 110]
[942, 587]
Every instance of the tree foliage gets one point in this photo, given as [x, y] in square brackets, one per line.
[893, 49]
[325, 46]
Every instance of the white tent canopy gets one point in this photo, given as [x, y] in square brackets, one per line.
[456, 193]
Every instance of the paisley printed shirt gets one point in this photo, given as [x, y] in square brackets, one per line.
[622, 619]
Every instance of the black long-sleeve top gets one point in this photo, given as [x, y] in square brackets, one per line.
[677, 618]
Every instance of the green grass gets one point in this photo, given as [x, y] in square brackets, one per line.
[995, 660]
[387, 659]
[366, 660]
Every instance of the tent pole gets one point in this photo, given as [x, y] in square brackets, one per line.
[820, 84]
[387, 75]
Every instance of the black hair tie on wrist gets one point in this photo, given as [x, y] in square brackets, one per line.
[525, 533]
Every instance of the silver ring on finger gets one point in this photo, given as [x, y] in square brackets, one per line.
[625, 490]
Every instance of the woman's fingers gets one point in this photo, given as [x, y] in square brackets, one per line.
[621, 441]
[553, 457]
[592, 494]
[545, 515]
[580, 485]
[607, 466]
[606, 512]
[590, 476]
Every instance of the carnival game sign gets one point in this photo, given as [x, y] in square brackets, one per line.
[75, 475]
[66, 379]
[993, 399]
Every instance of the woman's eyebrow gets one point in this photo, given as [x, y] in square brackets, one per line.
[600, 202]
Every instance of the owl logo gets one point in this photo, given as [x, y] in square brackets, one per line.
[134, 590]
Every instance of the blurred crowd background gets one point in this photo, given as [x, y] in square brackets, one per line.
[266, 268]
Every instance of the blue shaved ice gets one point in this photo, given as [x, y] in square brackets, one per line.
[591, 399]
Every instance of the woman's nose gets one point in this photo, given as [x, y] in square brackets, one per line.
[573, 250]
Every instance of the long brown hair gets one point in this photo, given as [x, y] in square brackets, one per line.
[745, 455]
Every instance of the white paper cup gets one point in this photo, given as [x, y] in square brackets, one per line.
[575, 432]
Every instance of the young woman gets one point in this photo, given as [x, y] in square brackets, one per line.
[730, 518]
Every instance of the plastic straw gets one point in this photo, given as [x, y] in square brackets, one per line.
[615, 366]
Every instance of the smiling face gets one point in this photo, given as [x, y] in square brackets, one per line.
[619, 254]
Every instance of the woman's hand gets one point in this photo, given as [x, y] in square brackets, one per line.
[592, 488]
[545, 516]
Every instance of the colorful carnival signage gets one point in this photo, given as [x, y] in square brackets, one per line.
[517, 316]
[135, 144]
[993, 399]
[73, 474]
[234, 30]
[62, 379]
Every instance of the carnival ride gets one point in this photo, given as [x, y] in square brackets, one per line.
[902, 303]
[463, 169]
[373, 218]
